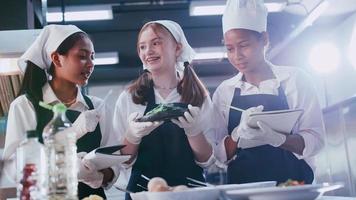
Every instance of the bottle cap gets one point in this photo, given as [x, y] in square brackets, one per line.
[32, 134]
[59, 108]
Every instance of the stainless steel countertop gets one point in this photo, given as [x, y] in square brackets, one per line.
[336, 198]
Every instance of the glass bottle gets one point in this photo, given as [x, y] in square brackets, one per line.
[31, 168]
[61, 150]
[216, 173]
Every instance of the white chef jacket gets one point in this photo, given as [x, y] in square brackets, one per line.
[125, 106]
[300, 94]
[22, 117]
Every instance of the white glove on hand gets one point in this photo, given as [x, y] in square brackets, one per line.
[86, 122]
[137, 130]
[269, 135]
[243, 128]
[87, 172]
[263, 134]
[189, 121]
[247, 143]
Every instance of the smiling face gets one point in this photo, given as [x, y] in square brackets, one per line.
[245, 49]
[77, 64]
[157, 48]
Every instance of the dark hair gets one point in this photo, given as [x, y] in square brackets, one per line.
[191, 89]
[140, 88]
[35, 77]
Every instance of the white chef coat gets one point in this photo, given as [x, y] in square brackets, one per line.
[22, 117]
[300, 94]
[125, 106]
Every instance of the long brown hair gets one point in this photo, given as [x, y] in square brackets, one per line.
[191, 89]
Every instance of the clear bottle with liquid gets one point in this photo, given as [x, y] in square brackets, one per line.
[61, 150]
[31, 167]
[216, 173]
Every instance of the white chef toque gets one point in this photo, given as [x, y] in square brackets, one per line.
[245, 14]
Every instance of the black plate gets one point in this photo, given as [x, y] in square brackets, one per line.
[109, 149]
[170, 111]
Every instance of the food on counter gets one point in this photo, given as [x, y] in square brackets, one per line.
[179, 188]
[158, 184]
[291, 182]
[93, 197]
[164, 112]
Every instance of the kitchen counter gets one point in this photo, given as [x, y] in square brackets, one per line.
[336, 198]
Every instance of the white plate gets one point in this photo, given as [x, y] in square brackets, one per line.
[102, 161]
[201, 193]
[240, 186]
[181, 195]
[302, 192]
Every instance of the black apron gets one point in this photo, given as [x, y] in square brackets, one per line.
[264, 163]
[86, 143]
[164, 153]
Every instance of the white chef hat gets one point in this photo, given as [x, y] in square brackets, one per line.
[45, 44]
[176, 30]
[245, 14]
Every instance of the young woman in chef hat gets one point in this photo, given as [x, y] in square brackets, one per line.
[263, 154]
[56, 65]
[179, 148]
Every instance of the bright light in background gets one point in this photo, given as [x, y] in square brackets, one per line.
[324, 58]
[88, 15]
[80, 13]
[210, 53]
[8, 66]
[54, 16]
[352, 48]
[106, 58]
[206, 10]
[200, 8]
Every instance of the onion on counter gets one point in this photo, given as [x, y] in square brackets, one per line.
[158, 184]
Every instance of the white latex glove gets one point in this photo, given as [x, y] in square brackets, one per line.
[264, 134]
[243, 128]
[137, 130]
[87, 172]
[190, 121]
[269, 135]
[86, 122]
[248, 143]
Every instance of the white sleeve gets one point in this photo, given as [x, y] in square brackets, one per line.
[109, 137]
[21, 118]
[121, 113]
[220, 130]
[119, 122]
[310, 125]
[207, 126]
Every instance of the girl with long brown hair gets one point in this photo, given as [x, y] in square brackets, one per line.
[178, 148]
